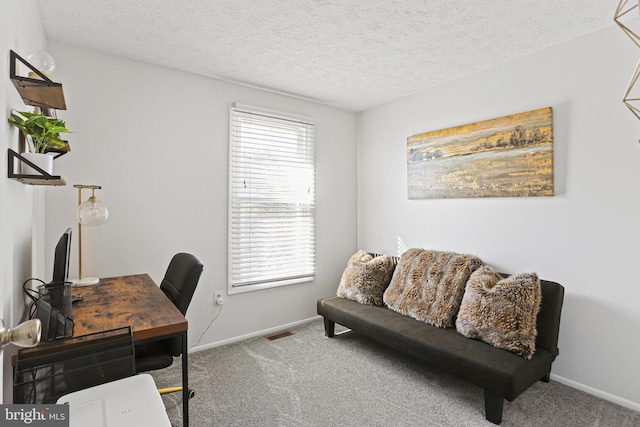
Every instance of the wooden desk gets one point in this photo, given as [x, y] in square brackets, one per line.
[134, 301]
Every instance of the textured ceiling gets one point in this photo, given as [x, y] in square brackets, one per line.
[352, 54]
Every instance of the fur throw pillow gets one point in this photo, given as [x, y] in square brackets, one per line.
[429, 285]
[501, 312]
[365, 278]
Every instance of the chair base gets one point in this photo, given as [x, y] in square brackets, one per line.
[168, 390]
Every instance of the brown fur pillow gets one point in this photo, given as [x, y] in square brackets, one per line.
[501, 312]
[428, 285]
[365, 278]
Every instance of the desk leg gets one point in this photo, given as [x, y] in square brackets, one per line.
[185, 381]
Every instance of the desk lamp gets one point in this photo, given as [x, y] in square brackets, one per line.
[90, 213]
[26, 334]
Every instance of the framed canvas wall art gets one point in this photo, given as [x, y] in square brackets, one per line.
[510, 156]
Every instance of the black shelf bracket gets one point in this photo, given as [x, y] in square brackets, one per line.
[42, 92]
[58, 151]
[43, 178]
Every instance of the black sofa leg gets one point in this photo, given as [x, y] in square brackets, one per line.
[546, 378]
[329, 327]
[493, 407]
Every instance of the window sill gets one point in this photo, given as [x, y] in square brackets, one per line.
[239, 289]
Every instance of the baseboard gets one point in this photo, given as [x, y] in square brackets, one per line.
[598, 393]
[260, 333]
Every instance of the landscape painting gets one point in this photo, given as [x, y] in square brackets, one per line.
[510, 156]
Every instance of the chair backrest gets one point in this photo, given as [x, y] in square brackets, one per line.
[179, 284]
[181, 279]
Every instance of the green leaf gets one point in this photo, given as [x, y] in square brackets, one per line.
[58, 129]
[45, 131]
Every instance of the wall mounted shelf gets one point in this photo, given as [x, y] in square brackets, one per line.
[37, 90]
[43, 179]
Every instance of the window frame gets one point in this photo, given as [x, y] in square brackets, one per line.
[302, 209]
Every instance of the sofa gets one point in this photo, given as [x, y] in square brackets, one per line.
[503, 373]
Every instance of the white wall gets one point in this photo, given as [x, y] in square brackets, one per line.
[586, 237]
[156, 140]
[20, 205]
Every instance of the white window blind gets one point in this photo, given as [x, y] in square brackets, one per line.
[272, 200]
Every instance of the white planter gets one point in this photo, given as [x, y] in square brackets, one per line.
[43, 161]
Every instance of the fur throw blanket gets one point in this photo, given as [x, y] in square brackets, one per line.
[429, 285]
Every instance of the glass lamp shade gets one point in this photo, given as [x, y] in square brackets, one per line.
[43, 62]
[92, 212]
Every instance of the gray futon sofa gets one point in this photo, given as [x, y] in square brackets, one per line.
[500, 373]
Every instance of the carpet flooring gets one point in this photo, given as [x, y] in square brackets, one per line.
[308, 380]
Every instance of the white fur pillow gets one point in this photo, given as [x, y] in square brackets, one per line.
[501, 312]
[366, 278]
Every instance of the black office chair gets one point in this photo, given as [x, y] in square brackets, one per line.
[179, 284]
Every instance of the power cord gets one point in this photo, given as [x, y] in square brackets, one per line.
[207, 329]
[32, 294]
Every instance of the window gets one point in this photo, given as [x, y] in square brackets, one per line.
[272, 200]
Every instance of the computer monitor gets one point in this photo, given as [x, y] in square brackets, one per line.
[61, 258]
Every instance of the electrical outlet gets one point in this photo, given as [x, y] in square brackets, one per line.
[218, 298]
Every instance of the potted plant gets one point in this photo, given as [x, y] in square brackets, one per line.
[40, 132]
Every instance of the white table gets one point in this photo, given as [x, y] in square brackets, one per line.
[128, 402]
